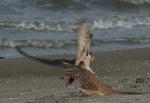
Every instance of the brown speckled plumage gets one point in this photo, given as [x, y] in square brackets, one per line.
[90, 85]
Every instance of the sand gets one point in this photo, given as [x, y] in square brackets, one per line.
[27, 81]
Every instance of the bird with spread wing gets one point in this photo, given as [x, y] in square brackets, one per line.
[82, 71]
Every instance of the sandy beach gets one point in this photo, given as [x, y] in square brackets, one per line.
[24, 80]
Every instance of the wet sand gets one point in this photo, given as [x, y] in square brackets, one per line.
[28, 81]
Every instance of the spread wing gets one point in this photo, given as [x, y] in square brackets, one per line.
[84, 41]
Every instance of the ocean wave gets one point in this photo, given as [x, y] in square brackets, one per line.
[72, 26]
[136, 2]
[39, 26]
[116, 22]
[123, 40]
[66, 43]
[4, 43]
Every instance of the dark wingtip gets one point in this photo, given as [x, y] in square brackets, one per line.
[2, 58]
[128, 92]
[132, 93]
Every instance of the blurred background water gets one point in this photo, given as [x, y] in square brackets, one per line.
[50, 27]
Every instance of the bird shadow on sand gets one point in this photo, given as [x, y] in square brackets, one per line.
[54, 62]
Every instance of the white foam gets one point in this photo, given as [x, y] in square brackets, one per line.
[36, 43]
[136, 2]
[116, 22]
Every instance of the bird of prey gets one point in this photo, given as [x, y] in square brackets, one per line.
[82, 72]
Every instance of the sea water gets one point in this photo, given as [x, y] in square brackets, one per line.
[50, 27]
